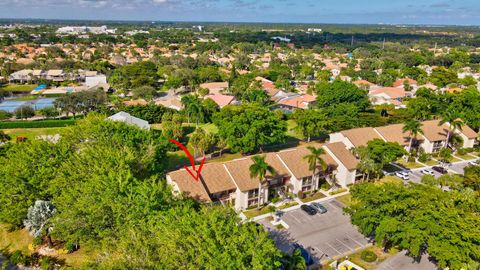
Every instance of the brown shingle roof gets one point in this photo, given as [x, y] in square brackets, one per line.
[360, 136]
[294, 159]
[216, 178]
[394, 133]
[240, 171]
[189, 186]
[339, 150]
[470, 133]
[433, 132]
[273, 160]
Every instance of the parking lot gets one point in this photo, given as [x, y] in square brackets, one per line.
[416, 175]
[326, 236]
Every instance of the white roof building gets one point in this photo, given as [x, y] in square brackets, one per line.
[130, 120]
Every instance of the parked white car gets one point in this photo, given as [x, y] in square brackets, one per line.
[402, 175]
[427, 171]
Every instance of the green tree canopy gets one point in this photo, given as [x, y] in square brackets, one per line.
[246, 128]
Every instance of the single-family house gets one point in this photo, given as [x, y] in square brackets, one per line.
[387, 95]
[215, 87]
[222, 100]
[130, 120]
[296, 102]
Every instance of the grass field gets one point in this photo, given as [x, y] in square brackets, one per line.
[466, 156]
[312, 197]
[19, 87]
[409, 165]
[389, 179]
[21, 240]
[32, 133]
[254, 212]
[345, 199]
[431, 162]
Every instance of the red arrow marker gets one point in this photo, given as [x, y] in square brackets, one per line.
[192, 161]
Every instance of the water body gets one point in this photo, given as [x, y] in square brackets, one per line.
[37, 104]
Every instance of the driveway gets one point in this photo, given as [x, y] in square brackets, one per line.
[401, 261]
[326, 236]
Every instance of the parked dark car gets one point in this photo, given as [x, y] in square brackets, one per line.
[305, 254]
[319, 207]
[440, 169]
[308, 209]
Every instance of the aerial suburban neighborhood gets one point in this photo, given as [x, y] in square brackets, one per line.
[131, 138]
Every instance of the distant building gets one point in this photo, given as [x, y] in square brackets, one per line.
[130, 120]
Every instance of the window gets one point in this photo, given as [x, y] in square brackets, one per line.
[275, 181]
[437, 145]
[252, 202]
[253, 193]
[307, 183]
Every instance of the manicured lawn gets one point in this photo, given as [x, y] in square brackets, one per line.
[466, 156]
[16, 240]
[254, 212]
[287, 205]
[32, 133]
[312, 197]
[431, 162]
[208, 127]
[453, 159]
[389, 179]
[20, 87]
[21, 240]
[337, 191]
[409, 165]
[291, 132]
[345, 199]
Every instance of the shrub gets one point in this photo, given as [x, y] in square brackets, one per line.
[368, 256]
[37, 241]
[301, 195]
[271, 208]
[325, 186]
[37, 124]
[411, 159]
[47, 263]
[424, 157]
[24, 112]
[17, 257]
[275, 199]
[5, 115]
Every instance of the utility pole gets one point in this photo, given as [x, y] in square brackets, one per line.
[352, 42]
[383, 44]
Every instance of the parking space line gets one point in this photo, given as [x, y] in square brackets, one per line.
[334, 248]
[296, 219]
[347, 235]
[344, 244]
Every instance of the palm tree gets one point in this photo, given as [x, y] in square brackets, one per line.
[295, 261]
[259, 170]
[451, 117]
[193, 107]
[413, 127]
[314, 159]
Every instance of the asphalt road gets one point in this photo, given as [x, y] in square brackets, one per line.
[401, 261]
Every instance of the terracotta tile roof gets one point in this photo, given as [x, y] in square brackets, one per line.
[240, 171]
[216, 178]
[392, 92]
[433, 132]
[360, 136]
[339, 150]
[400, 82]
[221, 100]
[188, 186]
[294, 159]
[301, 102]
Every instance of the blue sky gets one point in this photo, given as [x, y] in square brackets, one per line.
[461, 12]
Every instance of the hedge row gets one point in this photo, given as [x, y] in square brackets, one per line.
[37, 124]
